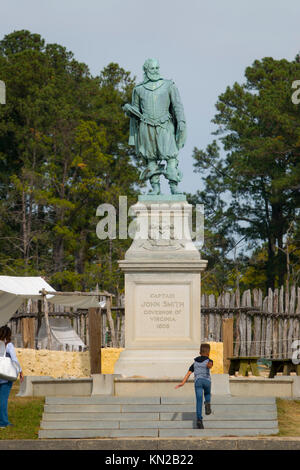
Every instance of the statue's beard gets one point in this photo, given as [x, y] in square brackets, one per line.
[153, 76]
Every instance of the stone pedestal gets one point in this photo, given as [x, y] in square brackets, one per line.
[162, 292]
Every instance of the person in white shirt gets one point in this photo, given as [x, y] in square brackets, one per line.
[5, 385]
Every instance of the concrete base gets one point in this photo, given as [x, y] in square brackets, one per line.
[295, 384]
[155, 363]
[26, 387]
[48, 386]
[113, 384]
[261, 387]
[103, 384]
[138, 387]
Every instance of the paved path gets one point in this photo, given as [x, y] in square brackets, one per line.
[246, 443]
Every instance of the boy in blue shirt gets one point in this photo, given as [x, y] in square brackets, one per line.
[201, 369]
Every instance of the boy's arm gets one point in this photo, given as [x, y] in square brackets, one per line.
[184, 380]
[210, 364]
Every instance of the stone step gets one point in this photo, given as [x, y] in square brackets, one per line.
[236, 408]
[221, 400]
[187, 408]
[216, 400]
[116, 424]
[192, 424]
[108, 433]
[223, 415]
[92, 424]
[94, 433]
[60, 416]
[217, 432]
[102, 400]
[109, 417]
[95, 424]
[83, 408]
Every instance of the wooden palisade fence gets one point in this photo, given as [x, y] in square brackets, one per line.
[262, 326]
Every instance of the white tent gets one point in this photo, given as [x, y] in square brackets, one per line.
[62, 335]
[14, 290]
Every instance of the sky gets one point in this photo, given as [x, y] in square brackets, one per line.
[203, 46]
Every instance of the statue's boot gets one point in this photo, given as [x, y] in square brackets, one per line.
[155, 189]
[173, 188]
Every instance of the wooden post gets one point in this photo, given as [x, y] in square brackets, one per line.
[45, 308]
[291, 320]
[111, 322]
[218, 321]
[275, 324]
[285, 324]
[237, 334]
[255, 346]
[269, 322]
[118, 329]
[257, 336]
[211, 319]
[296, 320]
[206, 327]
[227, 326]
[202, 327]
[263, 327]
[87, 329]
[243, 327]
[248, 323]
[28, 332]
[104, 327]
[280, 324]
[94, 325]
[81, 326]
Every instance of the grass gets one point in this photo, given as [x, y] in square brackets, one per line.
[288, 417]
[25, 413]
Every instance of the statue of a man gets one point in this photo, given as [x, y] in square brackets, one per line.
[157, 127]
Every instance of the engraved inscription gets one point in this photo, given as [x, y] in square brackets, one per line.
[162, 311]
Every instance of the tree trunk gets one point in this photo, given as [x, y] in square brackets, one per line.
[270, 268]
[58, 254]
[80, 254]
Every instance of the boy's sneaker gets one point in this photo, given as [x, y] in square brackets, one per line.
[200, 424]
[207, 409]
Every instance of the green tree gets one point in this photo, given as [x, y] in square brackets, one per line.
[258, 126]
[63, 151]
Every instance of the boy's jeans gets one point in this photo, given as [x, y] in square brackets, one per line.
[202, 385]
[4, 394]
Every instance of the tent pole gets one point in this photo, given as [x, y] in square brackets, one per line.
[45, 308]
[110, 321]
